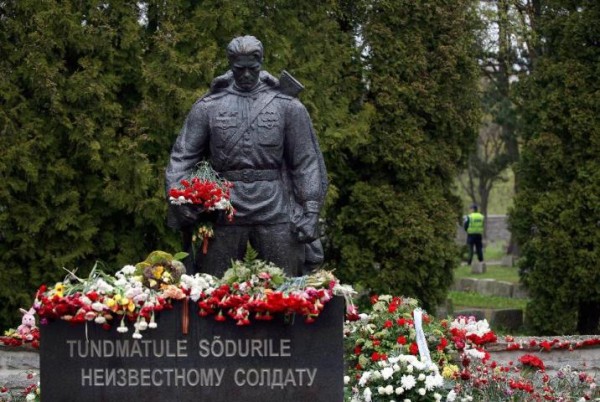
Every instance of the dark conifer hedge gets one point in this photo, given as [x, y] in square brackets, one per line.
[556, 215]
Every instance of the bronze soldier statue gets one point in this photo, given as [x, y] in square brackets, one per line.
[258, 135]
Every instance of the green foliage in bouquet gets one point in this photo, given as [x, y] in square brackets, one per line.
[252, 268]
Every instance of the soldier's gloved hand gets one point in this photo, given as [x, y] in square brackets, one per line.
[307, 227]
[186, 214]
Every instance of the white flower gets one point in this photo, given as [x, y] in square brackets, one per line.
[128, 270]
[475, 354]
[422, 391]
[100, 320]
[364, 317]
[104, 287]
[121, 282]
[410, 368]
[419, 365]
[381, 390]
[387, 372]
[437, 397]
[364, 378]
[471, 325]
[421, 377]
[122, 328]
[433, 381]
[142, 297]
[142, 325]
[346, 379]
[399, 390]
[98, 306]
[451, 397]
[367, 394]
[30, 397]
[408, 381]
[409, 359]
[389, 390]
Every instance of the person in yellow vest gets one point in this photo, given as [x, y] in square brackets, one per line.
[474, 227]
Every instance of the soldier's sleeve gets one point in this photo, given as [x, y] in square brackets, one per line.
[302, 156]
[191, 145]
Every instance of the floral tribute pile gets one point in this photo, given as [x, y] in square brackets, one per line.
[250, 290]
[385, 363]
[256, 289]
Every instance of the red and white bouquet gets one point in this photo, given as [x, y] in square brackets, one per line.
[204, 187]
[207, 190]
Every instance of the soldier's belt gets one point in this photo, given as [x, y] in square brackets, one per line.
[250, 175]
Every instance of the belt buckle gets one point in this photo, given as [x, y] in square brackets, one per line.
[246, 176]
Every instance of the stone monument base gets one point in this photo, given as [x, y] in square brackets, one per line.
[276, 360]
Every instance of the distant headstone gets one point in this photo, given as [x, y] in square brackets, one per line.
[508, 261]
[519, 292]
[216, 361]
[478, 267]
[492, 287]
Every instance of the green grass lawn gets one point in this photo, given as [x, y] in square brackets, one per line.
[494, 251]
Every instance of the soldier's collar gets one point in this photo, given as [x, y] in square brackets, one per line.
[260, 87]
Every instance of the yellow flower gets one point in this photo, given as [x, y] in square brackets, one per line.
[449, 371]
[158, 271]
[131, 306]
[124, 301]
[110, 303]
[59, 289]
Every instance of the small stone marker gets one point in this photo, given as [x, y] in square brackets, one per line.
[478, 268]
[216, 361]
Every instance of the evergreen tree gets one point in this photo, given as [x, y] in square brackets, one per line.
[556, 214]
[76, 181]
[93, 96]
[396, 222]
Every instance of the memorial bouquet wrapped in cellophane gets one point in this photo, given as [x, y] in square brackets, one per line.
[206, 190]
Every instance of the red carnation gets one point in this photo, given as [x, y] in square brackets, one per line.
[532, 361]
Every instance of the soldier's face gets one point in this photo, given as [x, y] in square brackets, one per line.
[246, 71]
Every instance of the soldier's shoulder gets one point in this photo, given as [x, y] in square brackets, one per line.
[281, 95]
[211, 96]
